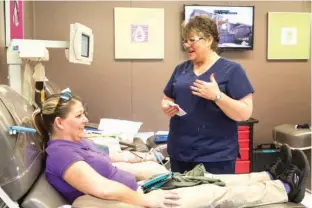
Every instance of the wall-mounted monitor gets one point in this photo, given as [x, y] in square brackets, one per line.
[235, 23]
[80, 44]
[85, 45]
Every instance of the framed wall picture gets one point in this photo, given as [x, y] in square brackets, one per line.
[14, 20]
[139, 33]
[288, 36]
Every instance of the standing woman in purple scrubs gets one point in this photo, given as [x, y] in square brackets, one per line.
[215, 93]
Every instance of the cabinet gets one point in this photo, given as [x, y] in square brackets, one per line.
[245, 141]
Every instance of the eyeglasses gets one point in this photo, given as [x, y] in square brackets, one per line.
[191, 41]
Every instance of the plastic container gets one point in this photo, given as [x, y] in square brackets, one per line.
[243, 128]
[243, 143]
[242, 167]
[243, 135]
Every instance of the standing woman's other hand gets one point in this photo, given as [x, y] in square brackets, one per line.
[207, 90]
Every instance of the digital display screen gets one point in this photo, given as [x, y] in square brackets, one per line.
[235, 23]
[85, 42]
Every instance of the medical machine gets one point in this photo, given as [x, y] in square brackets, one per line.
[79, 49]
[296, 136]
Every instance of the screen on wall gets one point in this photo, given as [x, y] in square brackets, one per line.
[235, 23]
[85, 45]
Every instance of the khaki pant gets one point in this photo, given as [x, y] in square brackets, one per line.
[242, 190]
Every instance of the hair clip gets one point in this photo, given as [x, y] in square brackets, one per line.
[17, 129]
[66, 94]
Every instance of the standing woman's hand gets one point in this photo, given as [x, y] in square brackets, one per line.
[169, 108]
[207, 90]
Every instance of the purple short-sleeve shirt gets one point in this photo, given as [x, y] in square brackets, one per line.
[62, 153]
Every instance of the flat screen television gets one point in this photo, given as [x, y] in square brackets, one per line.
[235, 23]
